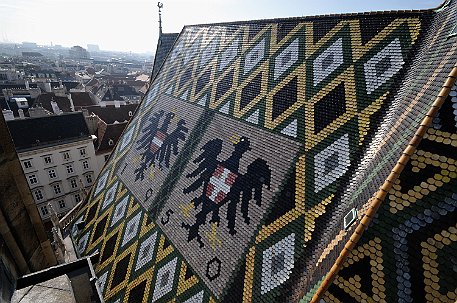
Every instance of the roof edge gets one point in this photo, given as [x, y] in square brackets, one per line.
[388, 184]
[320, 17]
[53, 143]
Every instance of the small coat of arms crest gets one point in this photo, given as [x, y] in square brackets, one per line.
[158, 144]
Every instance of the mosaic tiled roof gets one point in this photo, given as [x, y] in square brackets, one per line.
[236, 179]
[164, 45]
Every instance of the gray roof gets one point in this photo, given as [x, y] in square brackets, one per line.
[164, 45]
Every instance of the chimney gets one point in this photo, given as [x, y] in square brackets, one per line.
[27, 86]
[8, 114]
[72, 106]
[55, 108]
[9, 94]
[47, 87]
[60, 84]
[21, 113]
[117, 104]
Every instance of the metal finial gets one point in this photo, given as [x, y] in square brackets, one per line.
[160, 6]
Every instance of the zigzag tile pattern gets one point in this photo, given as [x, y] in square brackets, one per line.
[413, 237]
[232, 181]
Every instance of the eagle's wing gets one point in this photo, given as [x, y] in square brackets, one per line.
[247, 187]
[143, 144]
[207, 163]
[149, 131]
[170, 144]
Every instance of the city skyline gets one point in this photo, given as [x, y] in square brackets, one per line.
[116, 26]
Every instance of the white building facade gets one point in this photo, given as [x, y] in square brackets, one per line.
[60, 174]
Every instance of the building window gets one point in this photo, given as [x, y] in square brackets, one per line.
[69, 168]
[44, 210]
[85, 164]
[27, 164]
[89, 179]
[61, 203]
[32, 179]
[73, 183]
[66, 155]
[77, 198]
[38, 195]
[57, 189]
[106, 157]
[52, 174]
[82, 152]
[47, 160]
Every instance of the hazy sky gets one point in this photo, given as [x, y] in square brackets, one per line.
[131, 25]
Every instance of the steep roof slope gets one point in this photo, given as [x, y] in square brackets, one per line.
[164, 45]
[256, 139]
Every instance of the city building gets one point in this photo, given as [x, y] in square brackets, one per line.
[109, 135]
[58, 158]
[93, 48]
[10, 76]
[55, 104]
[32, 55]
[111, 121]
[118, 92]
[11, 93]
[305, 160]
[78, 52]
[81, 100]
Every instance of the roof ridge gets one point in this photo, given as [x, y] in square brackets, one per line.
[317, 17]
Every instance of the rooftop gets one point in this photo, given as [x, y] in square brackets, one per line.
[110, 136]
[82, 99]
[110, 113]
[32, 133]
[45, 100]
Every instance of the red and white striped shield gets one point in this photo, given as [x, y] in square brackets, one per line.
[157, 141]
[220, 183]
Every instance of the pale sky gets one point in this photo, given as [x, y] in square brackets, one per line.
[132, 25]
